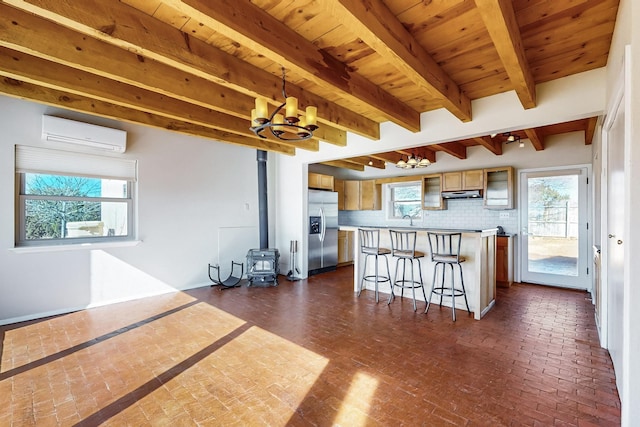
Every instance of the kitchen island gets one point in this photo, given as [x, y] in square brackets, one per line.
[479, 269]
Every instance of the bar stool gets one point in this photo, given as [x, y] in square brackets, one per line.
[403, 247]
[370, 247]
[445, 250]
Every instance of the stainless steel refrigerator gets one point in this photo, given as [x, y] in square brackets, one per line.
[323, 231]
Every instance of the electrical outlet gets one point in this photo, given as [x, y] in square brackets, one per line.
[504, 215]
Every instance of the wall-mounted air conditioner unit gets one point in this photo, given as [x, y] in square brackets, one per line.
[83, 134]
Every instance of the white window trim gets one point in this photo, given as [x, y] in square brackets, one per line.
[29, 159]
[388, 203]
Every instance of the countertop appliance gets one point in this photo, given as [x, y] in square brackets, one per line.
[323, 231]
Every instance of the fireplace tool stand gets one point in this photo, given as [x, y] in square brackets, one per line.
[293, 251]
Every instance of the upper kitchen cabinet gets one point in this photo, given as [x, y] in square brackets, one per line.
[432, 192]
[370, 195]
[320, 182]
[362, 195]
[338, 186]
[498, 188]
[351, 195]
[463, 180]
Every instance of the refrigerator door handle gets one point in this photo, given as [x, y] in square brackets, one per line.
[323, 225]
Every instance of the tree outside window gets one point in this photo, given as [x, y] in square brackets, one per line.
[405, 199]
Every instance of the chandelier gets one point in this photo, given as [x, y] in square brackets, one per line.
[413, 162]
[514, 138]
[288, 126]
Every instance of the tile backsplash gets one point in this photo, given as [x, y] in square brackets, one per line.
[461, 213]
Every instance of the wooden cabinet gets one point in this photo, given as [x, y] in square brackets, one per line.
[320, 181]
[338, 186]
[504, 261]
[431, 192]
[351, 195]
[345, 247]
[362, 195]
[452, 181]
[370, 196]
[498, 188]
[463, 180]
[473, 179]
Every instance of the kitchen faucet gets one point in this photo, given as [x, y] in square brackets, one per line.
[410, 219]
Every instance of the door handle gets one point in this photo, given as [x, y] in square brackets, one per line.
[611, 236]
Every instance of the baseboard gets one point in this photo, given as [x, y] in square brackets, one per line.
[67, 310]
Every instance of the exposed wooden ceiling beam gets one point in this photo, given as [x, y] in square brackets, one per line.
[367, 161]
[424, 152]
[376, 25]
[453, 148]
[74, 102]
[390, 157]
[27, 68]
[500, 20]
[251, 26]
[344, 164]
[537, 140]
[494, 146]
[590, 130]
[132, 30]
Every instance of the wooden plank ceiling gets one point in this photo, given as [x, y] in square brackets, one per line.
[195, 66]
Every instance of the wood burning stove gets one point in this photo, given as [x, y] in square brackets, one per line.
[262, 266]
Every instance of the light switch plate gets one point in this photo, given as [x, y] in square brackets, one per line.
[504, 215]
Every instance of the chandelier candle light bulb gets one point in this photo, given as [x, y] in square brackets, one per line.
[312, 116]
[291, 109]
[261, 110]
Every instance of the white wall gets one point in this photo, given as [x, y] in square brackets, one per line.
[628, 34]
[195, 206]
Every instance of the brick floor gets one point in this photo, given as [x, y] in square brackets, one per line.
[310, 353]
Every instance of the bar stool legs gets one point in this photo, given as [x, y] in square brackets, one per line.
[404, 283]
[370, 247]
[445, 250]
[446, 291]
[374, 278]
[403, 247]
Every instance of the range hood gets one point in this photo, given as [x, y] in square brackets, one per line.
[465, 194]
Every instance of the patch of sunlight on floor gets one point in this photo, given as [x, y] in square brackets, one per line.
[356, 404]
[25, 344]
[256, 378]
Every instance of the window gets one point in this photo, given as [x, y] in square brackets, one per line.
[67, 198]
[405, 199]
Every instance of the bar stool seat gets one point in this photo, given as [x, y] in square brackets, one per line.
[403, 247]
[370, 247]
[445, 250]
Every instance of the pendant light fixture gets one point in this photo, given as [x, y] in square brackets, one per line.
[284, 122]
[413, 162]
[514, 138]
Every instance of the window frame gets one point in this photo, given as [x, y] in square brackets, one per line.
[390, 202]
[35, 160]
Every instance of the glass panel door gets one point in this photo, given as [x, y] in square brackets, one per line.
[554, 227]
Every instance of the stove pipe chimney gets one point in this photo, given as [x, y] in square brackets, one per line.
[263, 199]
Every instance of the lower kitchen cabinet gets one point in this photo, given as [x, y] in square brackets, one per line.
[345, 247]
[504, 261]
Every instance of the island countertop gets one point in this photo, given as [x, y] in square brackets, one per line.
[478, 247]
[417, 228]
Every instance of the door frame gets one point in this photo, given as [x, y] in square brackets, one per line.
[587, 212]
